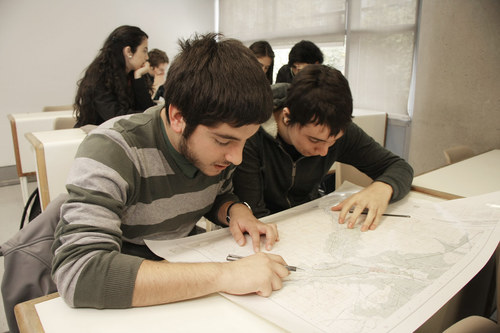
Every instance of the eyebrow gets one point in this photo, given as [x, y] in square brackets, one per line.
[317, 139]
[227, 137]
[335, 137]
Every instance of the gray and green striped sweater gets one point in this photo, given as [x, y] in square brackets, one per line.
[125, 185]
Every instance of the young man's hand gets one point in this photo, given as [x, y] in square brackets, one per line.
[375, 198]
[242, 220]
[261, 273]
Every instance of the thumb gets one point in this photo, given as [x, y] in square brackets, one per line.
[338, 206]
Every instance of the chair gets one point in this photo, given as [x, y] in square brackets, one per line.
[64, 123]
[57, 108]
[474, 324]
[23, 123]
[457, 153]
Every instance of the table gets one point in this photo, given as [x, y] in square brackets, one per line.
[212, 312]
[54, 152]
[22, 123]
[476, 175]
[209, 313]
[26, 315]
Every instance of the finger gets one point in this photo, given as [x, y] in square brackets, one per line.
[282, 272]
[272, 237]
[255, 235]
[277, 258]
[375, 223]
[276, 282]
[237, 235]
[337, 207]
[370, 218]
[343, 213]
[340, 207]
[265, 293]
[266, 290]
[354, 216]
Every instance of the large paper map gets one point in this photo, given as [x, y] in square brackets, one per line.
[393, 278]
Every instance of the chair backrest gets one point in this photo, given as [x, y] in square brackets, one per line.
[374, 123]
[64, 123]
[57, 108]
[457, 153]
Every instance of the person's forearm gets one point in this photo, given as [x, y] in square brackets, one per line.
[160, 282]
[164, 282]
[142, 97]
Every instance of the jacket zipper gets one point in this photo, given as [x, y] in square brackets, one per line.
[294, 171]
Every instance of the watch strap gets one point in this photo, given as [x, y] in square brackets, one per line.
[228, 218]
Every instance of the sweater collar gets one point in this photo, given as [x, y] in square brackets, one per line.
[271, 127]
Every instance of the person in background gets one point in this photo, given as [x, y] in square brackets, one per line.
[158, 63]
[114, 83]
[311, 128]
[265, 55]
[302, 54]
[153, 175]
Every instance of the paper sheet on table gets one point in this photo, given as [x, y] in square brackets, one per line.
[390, 279]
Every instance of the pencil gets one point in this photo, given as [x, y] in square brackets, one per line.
[233, 257]
[364, 212]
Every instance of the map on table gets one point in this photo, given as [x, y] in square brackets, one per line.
[389, 279]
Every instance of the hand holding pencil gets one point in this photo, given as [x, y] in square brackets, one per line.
[261, 273]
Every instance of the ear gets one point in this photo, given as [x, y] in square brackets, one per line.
[177, 122]
[127, 52]
[286, 115]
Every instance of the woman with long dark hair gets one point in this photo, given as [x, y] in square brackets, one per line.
[265, 55]
[113, 84]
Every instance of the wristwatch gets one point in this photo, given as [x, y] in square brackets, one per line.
[228, 219]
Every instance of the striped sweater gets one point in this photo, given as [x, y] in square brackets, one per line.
[127, 183]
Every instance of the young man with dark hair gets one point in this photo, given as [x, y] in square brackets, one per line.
[158, 62]
[285, 162]
[154, 175]
[302, 54]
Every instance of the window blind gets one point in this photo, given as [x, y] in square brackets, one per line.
[379, 38]
[282, 22]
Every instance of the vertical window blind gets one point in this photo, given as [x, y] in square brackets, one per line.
[378, 36]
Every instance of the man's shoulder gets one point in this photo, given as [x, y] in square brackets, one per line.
[353, 130]
[134, 119]
[284, 68]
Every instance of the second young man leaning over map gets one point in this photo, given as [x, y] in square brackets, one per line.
[311, 128]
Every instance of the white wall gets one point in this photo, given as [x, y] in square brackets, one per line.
[457, 95]
[46, 45]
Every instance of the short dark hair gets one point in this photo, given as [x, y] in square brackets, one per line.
[157, 57]
[215, 80]
[321, 95]
[261, 49]
[305, 51]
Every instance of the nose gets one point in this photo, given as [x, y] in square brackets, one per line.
[235, 154]
[322, 149]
